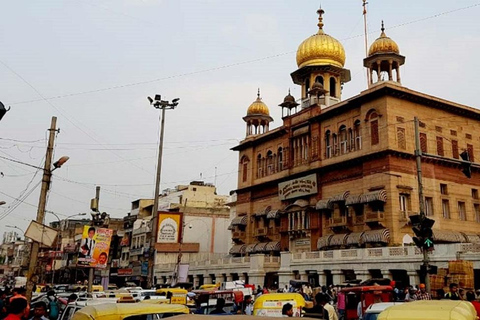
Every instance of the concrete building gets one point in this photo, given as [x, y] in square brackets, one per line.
[206, 218]
[328, 194]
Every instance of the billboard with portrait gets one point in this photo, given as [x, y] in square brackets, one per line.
[169, 227]
[94, 247]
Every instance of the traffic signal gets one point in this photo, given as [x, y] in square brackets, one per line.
[466, 166]
[422, 227]
[428, 270]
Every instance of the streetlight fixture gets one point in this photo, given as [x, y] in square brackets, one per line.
[15, 227]
[158, 103]
[2, 203]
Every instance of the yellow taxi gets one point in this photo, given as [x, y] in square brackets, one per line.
[430, 310]
[127, 311]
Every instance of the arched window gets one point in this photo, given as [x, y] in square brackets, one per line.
[259, 166]
[333, 87]
[319, 79]
[357, 135]
[328, 147]
[334, 144]
[280, 159]
[342, 133]
[244, 162]
[373, 120]
[270, 162]
[307, 86]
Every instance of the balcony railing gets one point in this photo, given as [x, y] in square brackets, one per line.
[337, 221]
[261, 232]
[374, 216]
[238, 235]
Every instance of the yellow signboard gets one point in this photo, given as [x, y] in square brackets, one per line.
[169, 227]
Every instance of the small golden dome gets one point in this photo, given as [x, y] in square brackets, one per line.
[320, 49]
[258, 107]
[383, 45]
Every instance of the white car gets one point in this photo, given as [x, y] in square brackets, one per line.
[375, 309]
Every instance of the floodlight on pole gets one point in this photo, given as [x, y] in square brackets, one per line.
[2, 203]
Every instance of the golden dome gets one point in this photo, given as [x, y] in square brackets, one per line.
[258, 107]
[383, 45]
[320, 49]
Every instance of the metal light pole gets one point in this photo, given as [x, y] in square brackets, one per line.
[157, 103]
[42, 202]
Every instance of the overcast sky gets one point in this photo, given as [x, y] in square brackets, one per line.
[92, 63]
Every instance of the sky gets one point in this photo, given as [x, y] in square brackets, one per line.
[92, 63]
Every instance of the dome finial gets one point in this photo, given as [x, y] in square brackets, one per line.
[320, 19]
[258, 94]
[288, 90]
[383, 26]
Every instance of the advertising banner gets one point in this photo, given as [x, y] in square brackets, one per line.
[94, 247]
[169, 227]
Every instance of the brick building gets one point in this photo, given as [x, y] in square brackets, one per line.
[341, 174]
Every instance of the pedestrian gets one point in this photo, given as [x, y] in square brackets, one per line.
[471, 298]
[453, 293]
[410, 296]
[72, 298]
[325, 303]
[39, 311]
[287, 310]
[19, 293]
[341, 303]
[53, 307]
[318, 310]
[247, 306]
[17, 309]
[423, 294]
[219, 307]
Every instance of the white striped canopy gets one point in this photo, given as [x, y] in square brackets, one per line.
[340, 197]
[238, 248]
[273, 246]
[322, 242]
[324, 204]
[376, 236]
[354, 238]
[378, 195]
[337, 240]
[448, 236]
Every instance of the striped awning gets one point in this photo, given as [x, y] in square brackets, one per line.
[322, 242]
[378, 195]
[298, 203]
[273, 246]
[353, 199]
[448, 236]
[263, 212]
[354, 239]
[273, 214]
[250, 248]
[376, 236]
[324, 204]
[238, 248]
[337, 240]
[260, 247]
[340, 197]
[472, 238]
[239, 221]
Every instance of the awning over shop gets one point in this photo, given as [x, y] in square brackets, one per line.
[354, 238]
[340, 197]
[353, 199]
[376, 236]
[322, 242]
[324, 204]
[298, 203]
[250, 248]
[273, 246]
[238, 248]
[273, 214]
[239, 221]
[472, 238]
[448, 236]
[378, 195]
[260, 247]
[263, 212]
[337, 240]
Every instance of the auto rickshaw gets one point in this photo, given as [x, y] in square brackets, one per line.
[119, 311]
[366, 295]
[209, 287]
[174, 295]
[430, 310]
[270, 305]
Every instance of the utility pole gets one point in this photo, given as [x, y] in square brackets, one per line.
[91, 270]
[421, 199]
[364, 5]
[47, 175]
[157, 103]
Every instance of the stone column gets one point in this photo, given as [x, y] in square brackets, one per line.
[363, 274]
[322, 278]
[390, 63]
[379, 70]
[229, 277]
[196, 281]
[413, 277]
[207, 279]
[338, 277]
[386, 274]
[398, 75]
[303, 276]
[371, 75]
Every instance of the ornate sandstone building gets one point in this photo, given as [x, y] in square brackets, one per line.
[341, 174]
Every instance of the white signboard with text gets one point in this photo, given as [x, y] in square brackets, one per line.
[298, 187]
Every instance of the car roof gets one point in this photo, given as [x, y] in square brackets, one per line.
[379, 307]
[95, 311]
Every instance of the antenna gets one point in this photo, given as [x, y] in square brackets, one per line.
[366, 35]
